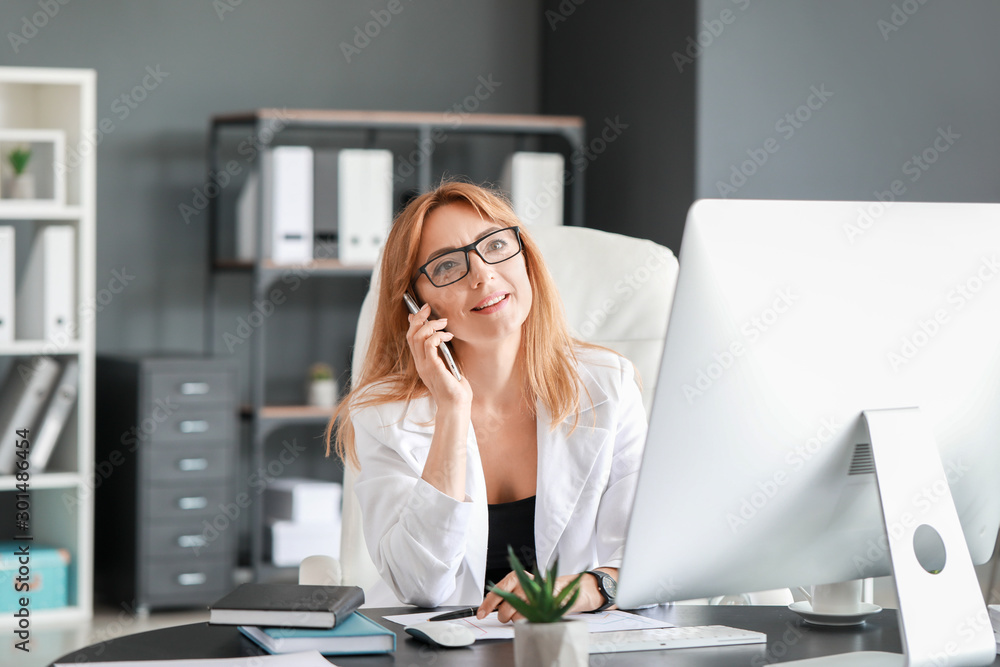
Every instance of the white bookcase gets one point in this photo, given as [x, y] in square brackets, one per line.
[53, 111]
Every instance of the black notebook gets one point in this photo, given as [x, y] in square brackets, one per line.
[287, 605]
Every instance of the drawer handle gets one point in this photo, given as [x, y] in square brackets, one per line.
[192, 579]
[192, 503]
[187, 541]
[192, 465]
[194, 426]
[194, 388]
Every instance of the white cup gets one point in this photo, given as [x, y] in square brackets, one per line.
[842, 598]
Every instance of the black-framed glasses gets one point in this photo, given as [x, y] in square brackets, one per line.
[452, 266]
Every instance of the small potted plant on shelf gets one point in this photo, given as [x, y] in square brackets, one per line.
[322, 386]
[22, 184]
[544, 637]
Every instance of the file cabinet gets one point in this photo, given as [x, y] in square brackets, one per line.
[167, 448]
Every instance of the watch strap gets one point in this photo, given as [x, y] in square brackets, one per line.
[602, 588]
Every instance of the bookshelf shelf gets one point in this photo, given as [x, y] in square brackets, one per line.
[45, 480]
[54, 110]
[31, 210]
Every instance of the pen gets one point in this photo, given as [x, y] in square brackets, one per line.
[452, 615]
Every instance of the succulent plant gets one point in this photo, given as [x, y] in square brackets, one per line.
[541, 604]
[320, 371]
[19, 158]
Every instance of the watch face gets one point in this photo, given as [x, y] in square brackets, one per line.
[611, 586]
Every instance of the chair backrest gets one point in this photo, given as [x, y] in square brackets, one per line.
[617, 292]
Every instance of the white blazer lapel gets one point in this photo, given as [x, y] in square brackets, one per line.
[566, 457]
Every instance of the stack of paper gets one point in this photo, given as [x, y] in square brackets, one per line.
[304, 518]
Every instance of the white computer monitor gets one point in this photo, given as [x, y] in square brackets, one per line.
[790, 320]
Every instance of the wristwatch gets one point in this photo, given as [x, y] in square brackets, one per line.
[608, 587]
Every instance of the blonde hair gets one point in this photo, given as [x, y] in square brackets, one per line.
[388, 373]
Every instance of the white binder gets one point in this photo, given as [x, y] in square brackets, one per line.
[47, 292]
[6, 284]
[288, 204]
[55, 416]
[364, 203]
[22, 397]
[535, 183]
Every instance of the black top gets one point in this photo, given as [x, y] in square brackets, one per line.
[510, 524]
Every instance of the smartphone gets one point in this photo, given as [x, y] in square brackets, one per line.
[449, 360]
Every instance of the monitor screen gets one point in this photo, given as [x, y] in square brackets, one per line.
[790, 319]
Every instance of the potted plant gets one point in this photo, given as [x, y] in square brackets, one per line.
[544, 638]
[22, 185]
[322, 386]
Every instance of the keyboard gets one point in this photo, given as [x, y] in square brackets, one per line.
[668, 638]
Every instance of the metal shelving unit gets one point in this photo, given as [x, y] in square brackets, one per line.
[267, 127]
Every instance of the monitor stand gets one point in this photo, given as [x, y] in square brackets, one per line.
[943, 619]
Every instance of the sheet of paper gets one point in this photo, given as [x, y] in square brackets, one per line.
[491, 628]
[303, 659]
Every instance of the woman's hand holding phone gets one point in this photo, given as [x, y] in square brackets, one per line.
[426, 338]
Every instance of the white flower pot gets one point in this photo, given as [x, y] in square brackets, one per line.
[21, 187]
[323, 393]
[562, 644]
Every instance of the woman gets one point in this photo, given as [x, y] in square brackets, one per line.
[537, 446]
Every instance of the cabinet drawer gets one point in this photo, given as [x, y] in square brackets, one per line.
[189, 540]
[186, 463]
[195, 425]
[192, 387]
[167, 580]
[178, 502]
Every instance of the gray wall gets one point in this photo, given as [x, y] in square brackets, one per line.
[892, 89]
[281, 54]
[611, 63]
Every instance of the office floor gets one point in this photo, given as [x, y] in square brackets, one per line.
[51, 642]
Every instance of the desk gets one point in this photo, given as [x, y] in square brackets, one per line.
[788, 638]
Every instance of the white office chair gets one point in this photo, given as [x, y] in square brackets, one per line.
[617, 292]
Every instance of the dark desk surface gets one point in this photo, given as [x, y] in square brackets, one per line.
[788, 638]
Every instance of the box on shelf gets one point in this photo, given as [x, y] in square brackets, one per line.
[44, 180]
[291, 542]
[303, 500]
[48, 578]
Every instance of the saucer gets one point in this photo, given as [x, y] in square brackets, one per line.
[805, 610]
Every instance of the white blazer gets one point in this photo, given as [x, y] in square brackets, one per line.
[430, 549]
